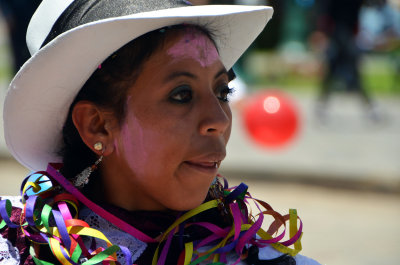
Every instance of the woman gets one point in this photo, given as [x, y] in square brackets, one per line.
[135, 105]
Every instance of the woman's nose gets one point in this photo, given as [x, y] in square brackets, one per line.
[216, 118]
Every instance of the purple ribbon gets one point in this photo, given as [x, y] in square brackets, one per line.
[62, 228]
[5, 212]
[236, 192]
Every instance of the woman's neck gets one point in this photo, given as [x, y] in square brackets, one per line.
[123, 192]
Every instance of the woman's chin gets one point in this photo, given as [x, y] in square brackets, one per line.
[186, 204]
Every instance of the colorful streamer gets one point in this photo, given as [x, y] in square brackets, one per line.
[52, 210]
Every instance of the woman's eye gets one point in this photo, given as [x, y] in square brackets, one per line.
[182, 94]
[224, 92]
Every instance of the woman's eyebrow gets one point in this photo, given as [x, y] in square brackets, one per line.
[174, 75]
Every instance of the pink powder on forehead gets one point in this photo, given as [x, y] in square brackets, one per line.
[195, 45]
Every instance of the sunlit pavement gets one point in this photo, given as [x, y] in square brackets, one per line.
[342, 174]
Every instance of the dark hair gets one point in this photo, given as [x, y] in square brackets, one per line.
[107, 88]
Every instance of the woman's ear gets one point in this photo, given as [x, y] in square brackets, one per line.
[94, 125]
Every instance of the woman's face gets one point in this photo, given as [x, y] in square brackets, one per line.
[177, 125]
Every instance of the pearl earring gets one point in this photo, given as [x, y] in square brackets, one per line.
[98, 146]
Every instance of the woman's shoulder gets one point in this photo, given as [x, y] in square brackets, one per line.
[13, 246]
[9, 254]
[269, 253]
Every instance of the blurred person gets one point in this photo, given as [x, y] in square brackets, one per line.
[338, 22]
[17, 14]
[380, 33]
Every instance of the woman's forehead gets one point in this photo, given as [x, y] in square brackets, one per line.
[189, 32]
[194, 44]
[184, 55]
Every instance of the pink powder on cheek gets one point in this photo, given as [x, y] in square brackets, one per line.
[132, 144]
[195, 45]
[116, 147]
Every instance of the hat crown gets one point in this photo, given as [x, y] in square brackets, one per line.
[53, 17]
[42, 21]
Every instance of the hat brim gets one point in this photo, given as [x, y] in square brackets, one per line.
[41, 93]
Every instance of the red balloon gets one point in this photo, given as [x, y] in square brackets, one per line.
[271, 118]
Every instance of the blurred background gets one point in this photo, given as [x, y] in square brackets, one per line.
[316, 120]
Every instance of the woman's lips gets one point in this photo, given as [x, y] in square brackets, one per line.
[207, 163]
[203, 166]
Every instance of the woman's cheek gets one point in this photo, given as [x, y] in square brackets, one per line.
[132, 145]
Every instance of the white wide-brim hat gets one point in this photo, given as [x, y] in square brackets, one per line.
[40, 95]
